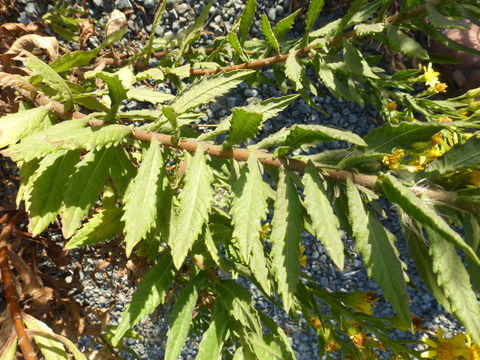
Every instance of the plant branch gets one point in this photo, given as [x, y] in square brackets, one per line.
[10, 294]
[191, 145]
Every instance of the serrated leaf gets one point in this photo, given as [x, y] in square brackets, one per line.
[27, 169]
[203, 91]
[59, 137]
[150, 95]
[472, 237]
[294, 69]
[269, 34]
[455, 282]
[235, 44]
[102, 226]
[355, 62]
[210, 347]
[244, 125]
[238, 302]
[51, 78]
[375, 244]
[246, 20]
[287, 223]
[366, 29]
[441, 21]
[266, 346]
[324, 221]
[181, 318]
[259, 266]
[314, 10]
[73, 59]
[150, 293]
[285, 25]
[399, 41]
[116, 92]
[121, 170]
[299, 135]
[91, 173]
[193, 208]
[49, 182]
[141, 197]
[423, 213]
[458, 158]
[14, 127]
[51, 349]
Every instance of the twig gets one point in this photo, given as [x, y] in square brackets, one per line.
[191, 145]
[10, 295]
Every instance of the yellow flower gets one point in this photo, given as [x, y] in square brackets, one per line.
[392, 106]
[265, 231]
[437, 139]
[359, 339]
[362, 301]
[393, 161]
[303, 258]
[316, 323]
[440, 87]
[433, 153]
[332, 346]
[445, 349]
[444, 119]
[431, 76]
[474, 352]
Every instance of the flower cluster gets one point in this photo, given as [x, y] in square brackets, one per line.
[457, 347]
[431, 79]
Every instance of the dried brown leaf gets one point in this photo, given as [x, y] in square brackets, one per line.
[17, 83]
[86, 30]
[117, 21]
[33, 42]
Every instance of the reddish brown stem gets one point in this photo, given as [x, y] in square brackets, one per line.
[10, 294]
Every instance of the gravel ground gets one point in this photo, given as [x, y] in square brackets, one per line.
[338, 113]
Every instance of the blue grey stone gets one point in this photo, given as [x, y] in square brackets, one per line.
[272, 14]
[123, 4]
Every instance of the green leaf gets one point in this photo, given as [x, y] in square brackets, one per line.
[68, 137]
[367, 29]
[235, 44]
[266, 346]
[73, 59]
[287, 223]
[269, 34]
[423, 213]
[103, 226]
[455, 282]
[244, 125]
[299, 135]
[238, 302]
[9, 349]
[376, 245]
[246, 20]
[48, 185]
[150, 95]
[116, 36]
[458, 158]
[324, 222]
[52, 79]
[150, 293]
[355, 62]
[399, 41]
[121, 170]
[156, 74]
[203, 91]
[182, 317]
[314, 10]
[472, 237]
[285, 25]
[51, 348]
[210, 348]
[91, 173]
[116, 92]
[194, 205]
[141, 197]
[441, 21]
[294, 69]
[16, 126]
[156, 22]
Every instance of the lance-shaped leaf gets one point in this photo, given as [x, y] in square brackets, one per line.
[210, 348]
[299, 135]
[366, 29]
[285, 25]
[91, 173]
[122, 170]
[375, 244]
[355, 62]
[73, 59]
[149, 95]
[294, 69]
[441, 21]
[472, 237]
[460, 157]
[102, 226]
[287, 223]
[49, 182]
[399, 41]
[59, 137]
[194, 205]
[205, 90]
[238, 301]
[324, 222]
[244, 125]
[182, 317]
[14, 127]
[141, 197]
[454, 279]
[51, 348]
[314, 10]
[423, 213]
[116, 92]
[52, 79]
[269, 34]
[150, 293]
[246, 20]
[266, 346]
